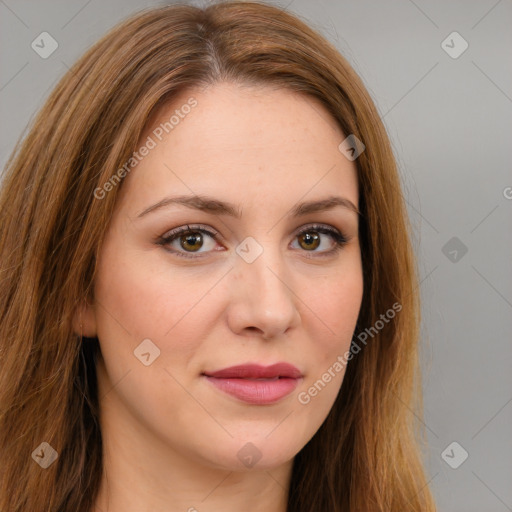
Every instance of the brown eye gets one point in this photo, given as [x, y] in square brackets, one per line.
[192, 241]
[320, 240]
[189, 242]
[309, 240]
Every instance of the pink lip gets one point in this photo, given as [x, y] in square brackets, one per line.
[274, 382]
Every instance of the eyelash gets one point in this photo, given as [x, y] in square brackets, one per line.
[339, 238]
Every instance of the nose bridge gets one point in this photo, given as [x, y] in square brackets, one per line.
[266, 276]
[263, 295]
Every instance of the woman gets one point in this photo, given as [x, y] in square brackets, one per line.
[209, 297]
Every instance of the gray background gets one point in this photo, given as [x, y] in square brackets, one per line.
[450, 121]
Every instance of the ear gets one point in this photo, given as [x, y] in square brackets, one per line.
[84, 320]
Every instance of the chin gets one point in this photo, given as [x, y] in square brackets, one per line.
[256, 455]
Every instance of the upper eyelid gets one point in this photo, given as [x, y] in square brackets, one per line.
[190, 227]
[318, 225]
[209, 230]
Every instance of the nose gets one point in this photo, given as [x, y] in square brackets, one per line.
[262, 297]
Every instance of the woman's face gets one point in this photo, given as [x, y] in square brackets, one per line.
[264, 283]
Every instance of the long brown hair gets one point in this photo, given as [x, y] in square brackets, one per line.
[367, 454]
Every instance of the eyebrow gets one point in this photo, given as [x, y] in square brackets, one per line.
[211, 205]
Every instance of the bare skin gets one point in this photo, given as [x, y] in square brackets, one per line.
[172, 439]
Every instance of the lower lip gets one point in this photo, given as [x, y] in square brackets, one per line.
[259, 392]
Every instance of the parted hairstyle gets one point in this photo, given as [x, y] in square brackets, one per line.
[367, 455]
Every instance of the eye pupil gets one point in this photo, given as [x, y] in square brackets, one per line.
[192, 240]
[310, 240]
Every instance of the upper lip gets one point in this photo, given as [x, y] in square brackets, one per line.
[256, 371]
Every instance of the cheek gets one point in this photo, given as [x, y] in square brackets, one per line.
[143, 298]
[336, 306]
[134, 295]
[333, 310]
[137, 301]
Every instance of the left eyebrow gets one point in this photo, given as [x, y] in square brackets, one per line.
[323, 205]
[215, 206]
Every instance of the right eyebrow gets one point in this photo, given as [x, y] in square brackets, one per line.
[203, 203]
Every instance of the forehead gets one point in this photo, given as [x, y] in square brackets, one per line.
[240, 143]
